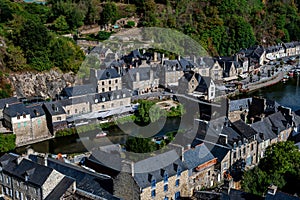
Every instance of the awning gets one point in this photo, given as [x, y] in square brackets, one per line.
[230, 78]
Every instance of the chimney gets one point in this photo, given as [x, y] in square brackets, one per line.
[137, 76]
[6, 105]
[151, 75]
[46, 160]
[155, 56]
[178, 58]
[132, 169]
[272, 190]
[188, 146]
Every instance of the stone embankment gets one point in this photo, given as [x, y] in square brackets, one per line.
[44, 84]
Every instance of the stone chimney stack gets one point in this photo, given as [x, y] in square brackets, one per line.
[155, 57]
[137, 76]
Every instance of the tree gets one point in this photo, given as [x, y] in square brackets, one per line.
[109, 13]
[61, 24]
[148, 112]
[7, 142]
[130, 24]
[14, 58]
[140, 145]
[280, 166]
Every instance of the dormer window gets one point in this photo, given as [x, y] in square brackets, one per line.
[18, 116]
[153, 183]
[166, 177]
[24, 115]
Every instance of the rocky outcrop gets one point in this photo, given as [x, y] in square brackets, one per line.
[44, 84]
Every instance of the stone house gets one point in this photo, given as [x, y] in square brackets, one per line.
[216, 71]
[21, 178]
[169, 73]
[27, 122]
[105, 80]
[297, 47]
[78, 91]
[197, 85]
[203, 66]
[290, 48]
[245, 147]
[77, 106]
[111, 100]
[272, 52]
[55, 115]
[256, 55]
[162, 176]
[141, 80]
[200, 164]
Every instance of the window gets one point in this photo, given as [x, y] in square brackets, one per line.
[17, 195]
[39, 122]
[103, 106]
[178, 172]
[116, 87]
[19, 125]
[83, 109]
[18, 116]
[75, 110]
[102, 82]
[109, 82]
[165, 177]
[177, 195]
[1, 179]
[116, 81]
[177, 182]
[112, 105]
[244, 151]
[251, 147]
[68, 112]
[153, 184]
[24, 115]
[58, 118]
[7, 180]
[234, 155]
[109, 88]
[166, 198]
[25, 124]
[166, 188]
[103, 90]
[153, 194]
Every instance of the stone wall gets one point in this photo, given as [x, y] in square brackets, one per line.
[44, 84]
[101, 106]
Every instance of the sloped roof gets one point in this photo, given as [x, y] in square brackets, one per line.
[54, 108]
[16, 109]
[96, 184]
[197, 156]
[108, 73]
[238, 104]
[264, 127]
[60, 189]
[243, 129]
[168, 161]
[5, 101]
[277, 119]
[79, 90]
[37, 174]
[281, 196]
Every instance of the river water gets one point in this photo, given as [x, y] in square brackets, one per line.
[286, 94]
[73, 143]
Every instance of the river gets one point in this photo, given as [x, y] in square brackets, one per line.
[286, 94]
[73, 143]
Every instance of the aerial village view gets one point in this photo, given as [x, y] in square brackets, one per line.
[149, 99]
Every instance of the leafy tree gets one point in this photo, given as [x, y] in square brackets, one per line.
[148, 112]
[109, 13]
[61, 23]
[130, 24]
[140, 145]
[7, 142]
[15, 59]
[280, 166]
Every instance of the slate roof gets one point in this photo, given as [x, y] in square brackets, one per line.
[112, 95]
[232, 136]
[54, 108]
[153, 166]
[15, 109]
[108, 73]
[281, 196]
[5, 101]
[144, 73]
[289, 45]
[236, 105]
[204, 83]
[76, 100]
[243, 129]
[217, 151]
[264, 129]
[93, 183]
[239, 195]
[79, 90]
[37, 174]
[277, 119]
[60, 189]
[197, 156]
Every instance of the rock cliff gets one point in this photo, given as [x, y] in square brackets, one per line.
[44, 84]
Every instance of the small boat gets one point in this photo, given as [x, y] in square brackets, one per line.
[100, 135]
[291, 73]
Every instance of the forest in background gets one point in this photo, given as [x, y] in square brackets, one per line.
[31, 34]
